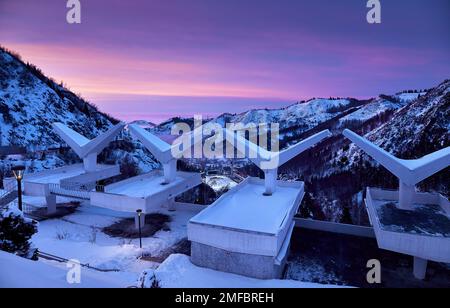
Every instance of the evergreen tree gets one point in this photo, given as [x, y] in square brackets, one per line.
[15, 235]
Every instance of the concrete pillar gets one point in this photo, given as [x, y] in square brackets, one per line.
[171, 205]
[270, 181]
[136, 220]
[170, 171]
[406, 196]
[420, 268]
[90, 162]
[51, 204]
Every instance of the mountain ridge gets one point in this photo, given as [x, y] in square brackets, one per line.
[409, 124]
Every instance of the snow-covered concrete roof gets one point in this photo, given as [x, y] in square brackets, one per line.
[247, 209]
[421, 231]
[142, 187]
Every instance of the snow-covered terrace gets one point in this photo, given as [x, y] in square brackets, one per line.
[247, 231]
[146, 192]
[71, 173]
[418, 222]
[422, 231]
[225, 224]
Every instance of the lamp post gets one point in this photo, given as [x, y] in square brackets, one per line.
[18, 174]
[139, 213]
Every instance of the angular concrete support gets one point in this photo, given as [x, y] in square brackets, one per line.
[90, 162]
[171, 205]
[420, 268]
[87, 149]
[170, 171]
[406, 196]
[51, 204]
[409, 172]
[136, 220]
[270, 181]
[160, 149]
[269, 161]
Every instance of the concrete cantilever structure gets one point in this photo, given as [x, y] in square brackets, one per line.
[269, 161]
[148, 192]
[159, 148]
[409, 172]
[87, 149]
[408, 222]
[165, 153]
[75, 180]
[247, 231]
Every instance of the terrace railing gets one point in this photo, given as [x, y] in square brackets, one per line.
[9, 194]
[74, 190]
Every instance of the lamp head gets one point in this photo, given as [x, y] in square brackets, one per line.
[139, 212]
[18, 172]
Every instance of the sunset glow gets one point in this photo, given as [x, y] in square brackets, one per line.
[155, 59]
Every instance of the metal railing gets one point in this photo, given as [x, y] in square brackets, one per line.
[51, 257]
[76, 191]
[9, 194]
[100, 188]
[30, 211]
[8, 188]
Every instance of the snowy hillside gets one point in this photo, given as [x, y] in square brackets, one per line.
[420, 128]
[297, 119]
[415, 130]
[408, 124]
[405, 123]
[307, 114]
[30, 102]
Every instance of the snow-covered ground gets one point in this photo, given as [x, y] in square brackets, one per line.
[177, 271]
[79, 236]
[17, 272]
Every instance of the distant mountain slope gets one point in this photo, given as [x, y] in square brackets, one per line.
[30, 102]
[296, 120]
[409, 124]
[419, 128]
[415, 130]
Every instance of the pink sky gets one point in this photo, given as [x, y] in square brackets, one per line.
[156, 59]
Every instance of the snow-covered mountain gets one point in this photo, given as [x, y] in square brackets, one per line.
[420, 127]
[144, 124]
[297, 119]
[408, 124]
[30, 102]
